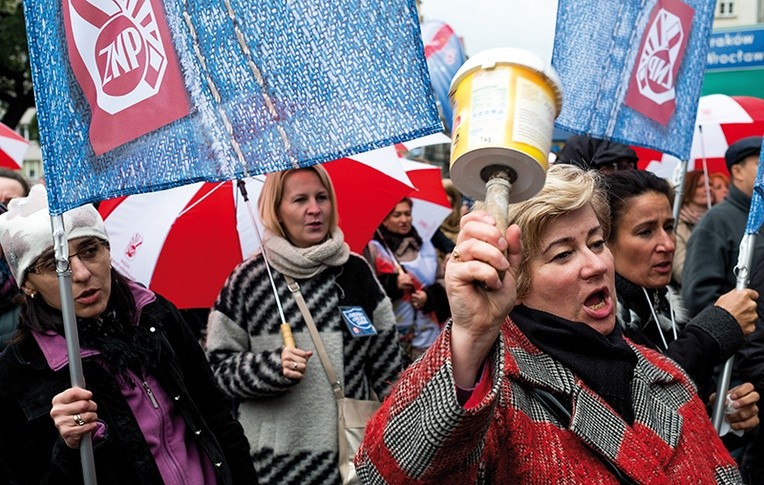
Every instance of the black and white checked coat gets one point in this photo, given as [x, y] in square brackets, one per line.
[422, 435]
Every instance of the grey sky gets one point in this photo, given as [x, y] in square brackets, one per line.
[484, 24]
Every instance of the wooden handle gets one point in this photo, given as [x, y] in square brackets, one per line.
[286, 335]
[497, 190]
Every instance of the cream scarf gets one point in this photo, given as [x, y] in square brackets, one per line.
[304, 263]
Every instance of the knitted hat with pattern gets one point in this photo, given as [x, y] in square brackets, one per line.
[26, 233]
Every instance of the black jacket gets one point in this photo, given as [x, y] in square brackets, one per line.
[33, 452]
[702, 343]
[712, 254]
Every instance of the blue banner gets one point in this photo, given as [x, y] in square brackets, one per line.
[141, 95]
[735, 49]
[756, 211]
[444, 54]
[632, 70]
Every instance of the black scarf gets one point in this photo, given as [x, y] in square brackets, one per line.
[394, 240]
[122, 345]
[604, 362]
[633, 296]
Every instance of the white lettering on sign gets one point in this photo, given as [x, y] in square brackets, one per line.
[122, 54]
[655, 79]
[121, 48]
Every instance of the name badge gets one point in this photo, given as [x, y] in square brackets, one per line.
[357, 321]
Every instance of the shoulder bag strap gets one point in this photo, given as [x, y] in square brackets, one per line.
[294, 287]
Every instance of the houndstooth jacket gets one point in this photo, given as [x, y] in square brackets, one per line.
[423, 435]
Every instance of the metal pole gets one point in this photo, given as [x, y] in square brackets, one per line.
[61, 248]
[286, 329]
[679, 190]
[742, 270]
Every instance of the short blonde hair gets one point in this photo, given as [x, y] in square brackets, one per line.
[567, 188]
[273, 191]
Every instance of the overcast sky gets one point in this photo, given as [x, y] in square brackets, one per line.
[484, 24]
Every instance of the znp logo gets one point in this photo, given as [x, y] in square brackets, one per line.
[652, 86]
[121, 47]
[655, 72]
[122, 55]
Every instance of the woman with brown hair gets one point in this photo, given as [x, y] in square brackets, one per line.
[411, 273]
[696, 200]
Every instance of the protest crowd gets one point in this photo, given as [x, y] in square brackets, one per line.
[592, 330]
[582, 342]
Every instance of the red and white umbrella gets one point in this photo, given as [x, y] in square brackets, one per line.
[431, 206]
[430, 202]
[721, 121]
[184, 242]
[12, 148]
[368, 187]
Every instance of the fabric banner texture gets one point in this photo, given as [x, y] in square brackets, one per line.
[444, 54]
[632, 70]
[756, 211]
[135, 96]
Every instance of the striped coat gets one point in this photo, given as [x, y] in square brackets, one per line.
[291, 425]
[422, 435]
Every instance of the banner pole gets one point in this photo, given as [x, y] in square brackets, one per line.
[64, 273]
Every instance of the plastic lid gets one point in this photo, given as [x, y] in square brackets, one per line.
[509, 55]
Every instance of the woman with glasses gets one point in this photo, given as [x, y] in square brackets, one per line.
[151, 403]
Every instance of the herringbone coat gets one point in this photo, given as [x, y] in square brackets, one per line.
[422, 435]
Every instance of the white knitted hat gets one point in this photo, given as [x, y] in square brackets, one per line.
[26, 233]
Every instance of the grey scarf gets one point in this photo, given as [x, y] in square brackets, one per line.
[304, 263]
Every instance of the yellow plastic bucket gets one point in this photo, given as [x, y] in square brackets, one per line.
[504, 102]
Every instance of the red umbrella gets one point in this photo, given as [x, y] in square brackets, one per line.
[185, 241]
[368, 187]
[721, 121]
[430, 201]
[12, 148]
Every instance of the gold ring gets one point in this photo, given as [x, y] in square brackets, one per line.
[78, 420]
[455, 255]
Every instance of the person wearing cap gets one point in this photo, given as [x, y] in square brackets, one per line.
[151, 403]
[12, 185]
[709, 268]
[591, 153]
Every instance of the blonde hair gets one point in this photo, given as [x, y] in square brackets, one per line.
[273, 191]
[567, 188]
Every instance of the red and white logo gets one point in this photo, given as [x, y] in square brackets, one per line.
[123, 58]
[132, 245]
[652, 84]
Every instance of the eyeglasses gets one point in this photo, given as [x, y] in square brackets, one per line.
[91, 253]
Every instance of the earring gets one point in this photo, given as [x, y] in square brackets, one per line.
[33, 294]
